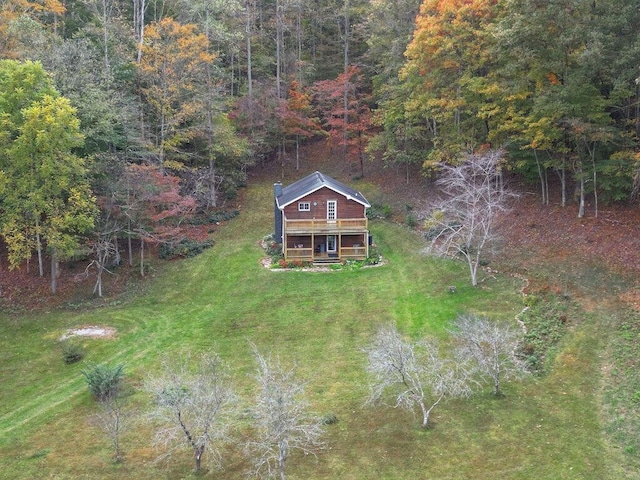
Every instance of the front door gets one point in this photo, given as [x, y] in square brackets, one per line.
[331, 244]
[331, 209]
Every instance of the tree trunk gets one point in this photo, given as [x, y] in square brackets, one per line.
[129, 242]
[247, 6]
[345, 98]
[39, 248]
[563, 181]
[139, 10]
[282, 461]
[581, 205]
[198, 457]
[54, 272]
[279, 47]
[141, 256]
[426, 412]
[543, 187]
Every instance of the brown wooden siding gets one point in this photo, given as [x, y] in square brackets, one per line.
[345, 208]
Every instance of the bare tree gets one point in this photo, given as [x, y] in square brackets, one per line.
[491, 347]
[104, 247]
[114, 419]
[193, 406]
[414, 372]
[463, 224]
[283, 423]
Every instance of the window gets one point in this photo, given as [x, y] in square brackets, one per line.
[331, 209]
[304, 206]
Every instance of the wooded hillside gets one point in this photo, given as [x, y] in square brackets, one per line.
[122, 119]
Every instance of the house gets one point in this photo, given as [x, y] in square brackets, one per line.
[319, 219]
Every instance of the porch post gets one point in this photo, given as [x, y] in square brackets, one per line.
[366, 244]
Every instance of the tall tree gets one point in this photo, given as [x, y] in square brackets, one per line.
[173, 74]
[50, 190]
[297, 116]
[343, 103]
[153, 206]
[464, 222]
[47, 201]
[283, 423]
[448, 52]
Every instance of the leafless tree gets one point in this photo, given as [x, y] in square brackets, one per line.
[282, 420]
[463, 223]
[414, 372]
[491, 347]
[114, 419]
[193, 405]
[104, 247]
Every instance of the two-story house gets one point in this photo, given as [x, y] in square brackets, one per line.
[319, 219]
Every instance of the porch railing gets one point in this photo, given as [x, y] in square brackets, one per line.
[308, 254]
[326, 226]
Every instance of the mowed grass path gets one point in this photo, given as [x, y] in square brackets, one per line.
[545, 428]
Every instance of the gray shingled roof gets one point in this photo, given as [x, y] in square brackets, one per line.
[313, 182]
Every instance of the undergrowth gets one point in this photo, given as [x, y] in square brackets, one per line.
[545, 322]
[622, 385]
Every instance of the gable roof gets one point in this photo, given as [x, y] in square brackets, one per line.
[314, 182]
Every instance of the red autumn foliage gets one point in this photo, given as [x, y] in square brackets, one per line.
[344, 106]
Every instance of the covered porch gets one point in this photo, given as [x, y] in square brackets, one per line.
[326, 248]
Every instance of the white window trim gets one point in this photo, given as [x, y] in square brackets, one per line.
[335, 210]
[304, 206]
[332, 239]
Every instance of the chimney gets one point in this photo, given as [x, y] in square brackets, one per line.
[277, 214]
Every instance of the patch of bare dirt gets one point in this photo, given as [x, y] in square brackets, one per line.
[91, 331]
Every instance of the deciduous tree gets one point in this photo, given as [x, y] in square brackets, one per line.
[48, 200]
[153, 205]
[463, 223]
[283, 423]
[491, 346]
[173, 72]
[449, 52]
[343, 103]
[413, 373]
[193, 404]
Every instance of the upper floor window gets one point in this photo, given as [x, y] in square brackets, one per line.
[304, 206]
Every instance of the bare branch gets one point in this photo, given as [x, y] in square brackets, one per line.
[463, 223]
[491, 347]
[192, 407]
[282, 420]
[414, 372]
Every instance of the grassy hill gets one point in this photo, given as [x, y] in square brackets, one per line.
[548, 427]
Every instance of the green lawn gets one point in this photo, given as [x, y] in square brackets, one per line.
[545, 428]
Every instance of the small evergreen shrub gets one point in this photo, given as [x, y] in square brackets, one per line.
[72, 352]
[104, 381]
[329, 419]
[410, 220]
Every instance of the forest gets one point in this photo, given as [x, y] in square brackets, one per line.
[132, 130]
[121, 119]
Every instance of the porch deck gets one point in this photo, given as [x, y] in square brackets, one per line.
[324, 226]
